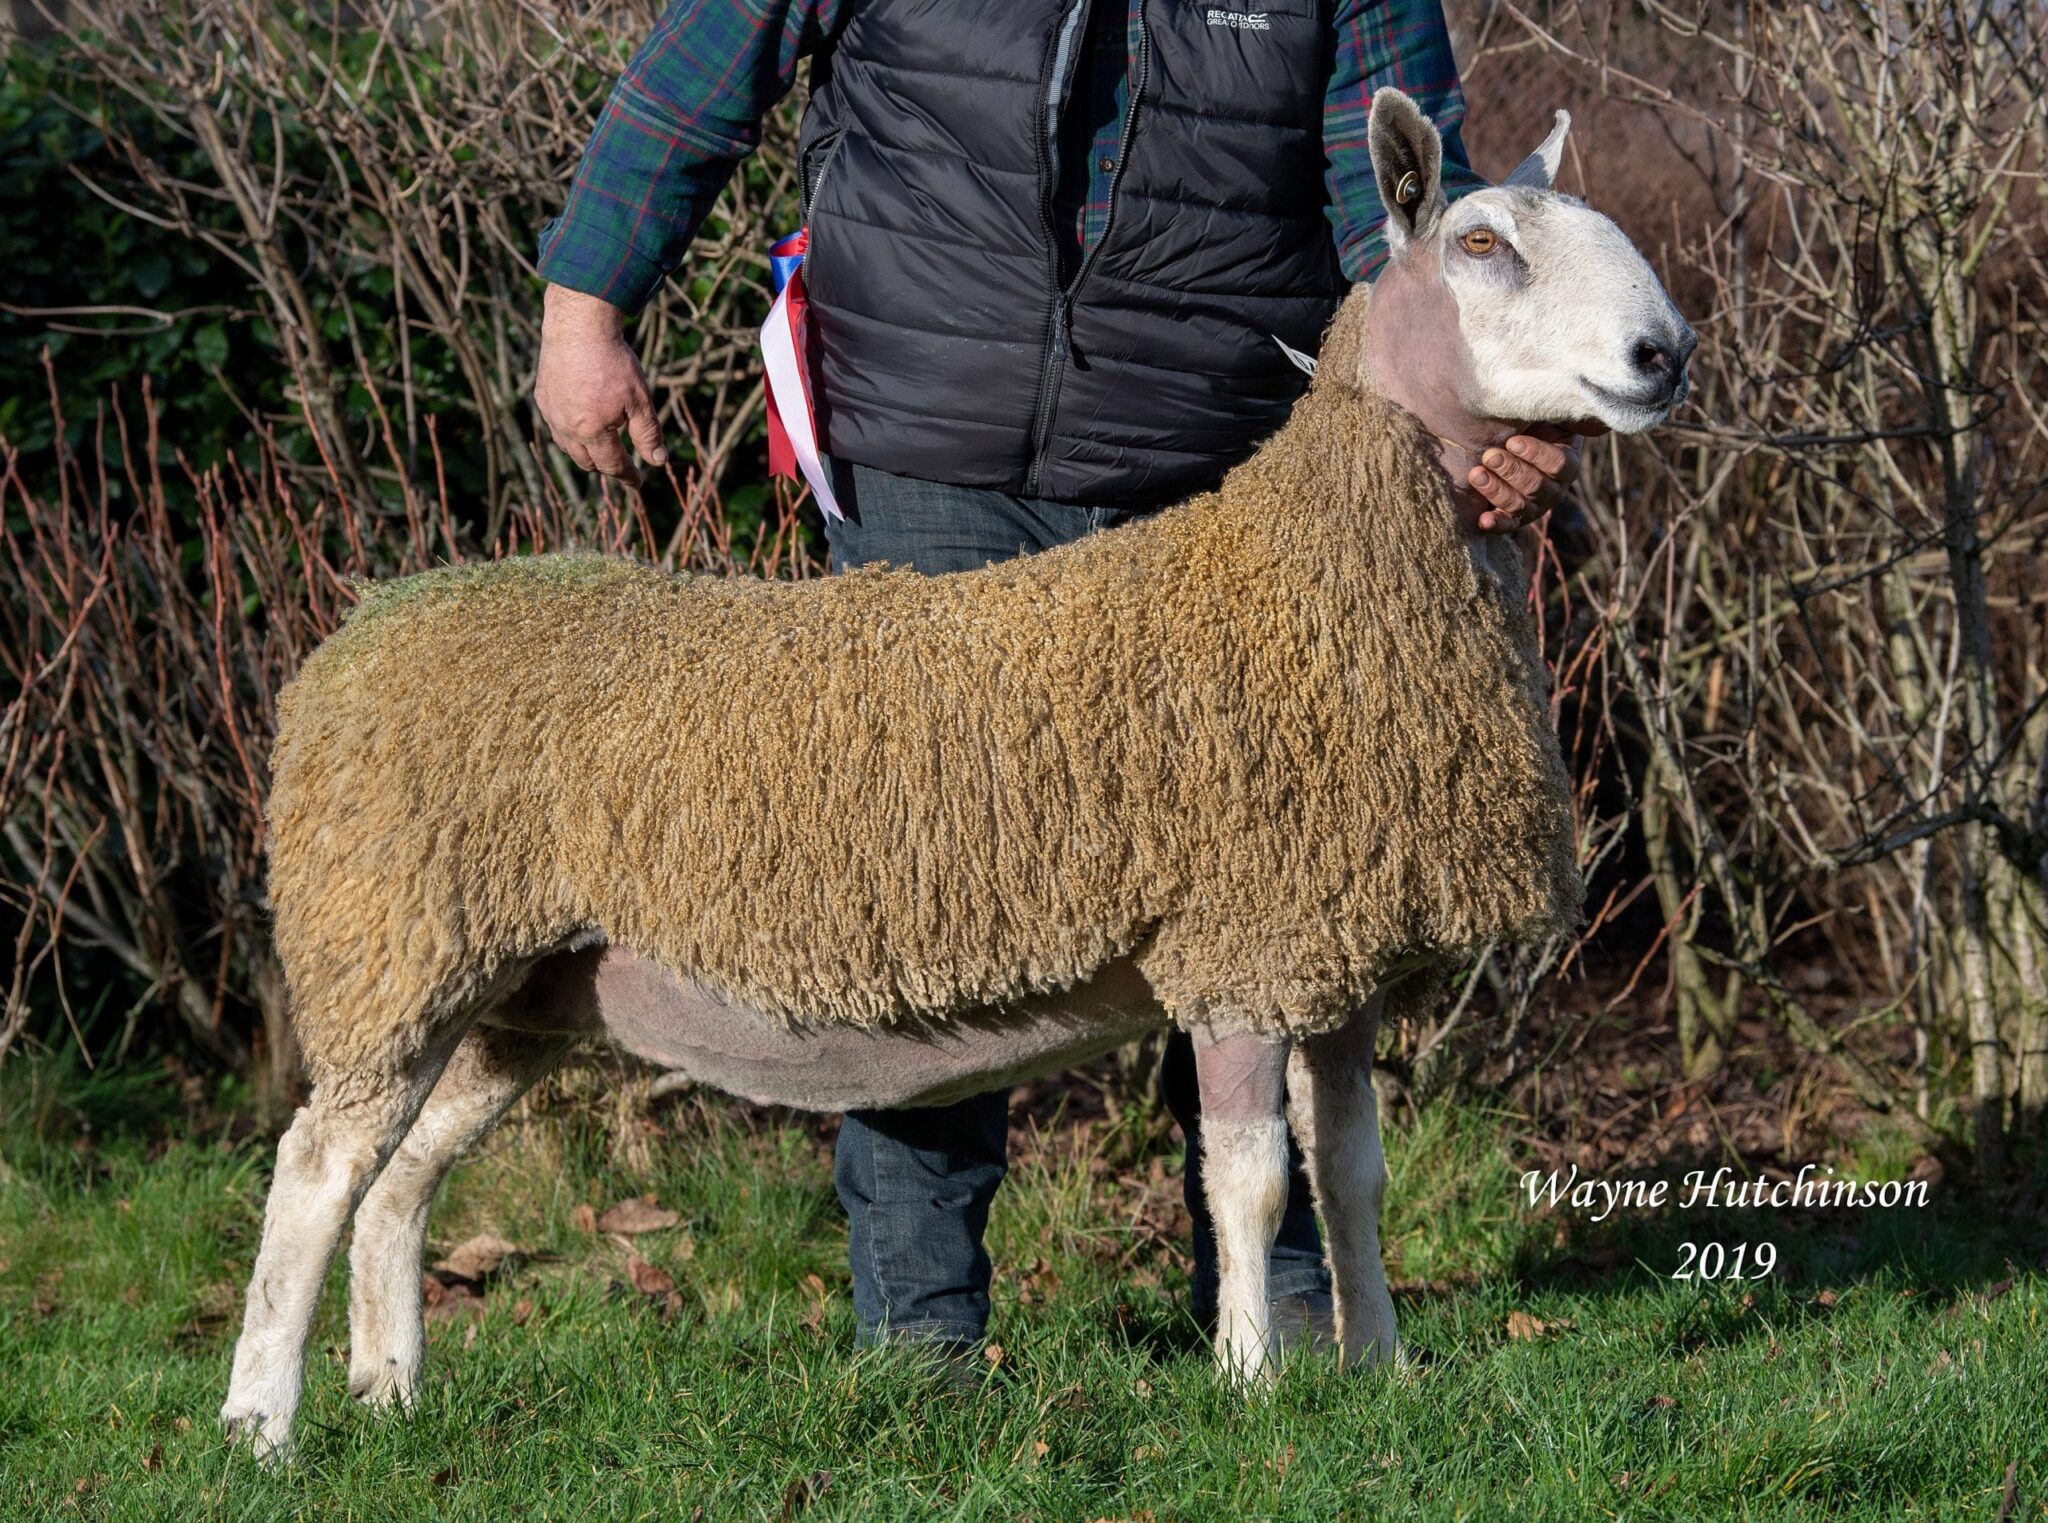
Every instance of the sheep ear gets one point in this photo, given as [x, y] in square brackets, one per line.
[1408, 163]
[1539, 170]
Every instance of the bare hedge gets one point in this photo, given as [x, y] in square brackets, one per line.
[1798, 636]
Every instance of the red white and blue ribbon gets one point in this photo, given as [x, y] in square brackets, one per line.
[792, 420]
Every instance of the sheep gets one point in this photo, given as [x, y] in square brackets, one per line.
[1256, 765]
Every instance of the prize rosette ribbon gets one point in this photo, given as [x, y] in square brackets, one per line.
[792, 419]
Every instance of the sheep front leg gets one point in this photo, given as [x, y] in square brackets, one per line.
[387, 1336]
[1243, 1082]
[1336, 1119]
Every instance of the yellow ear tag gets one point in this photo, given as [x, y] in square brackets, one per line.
[1409, 191]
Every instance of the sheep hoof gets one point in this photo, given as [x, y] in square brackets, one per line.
[382, 1387]
[267, 1435]
[1255, 1380]
[1249, 1370]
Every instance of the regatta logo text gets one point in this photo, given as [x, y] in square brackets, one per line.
[1243, 21]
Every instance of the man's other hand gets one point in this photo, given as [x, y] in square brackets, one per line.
[1526, 477]
[590, 388]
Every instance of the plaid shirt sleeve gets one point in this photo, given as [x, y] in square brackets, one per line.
[1385, 42]
[683, 115]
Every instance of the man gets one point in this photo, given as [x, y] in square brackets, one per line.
[1053, 244]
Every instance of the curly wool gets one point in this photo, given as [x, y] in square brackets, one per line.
[1279, 742]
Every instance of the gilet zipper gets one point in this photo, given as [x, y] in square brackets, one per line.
[1060, 339]
[807, 199]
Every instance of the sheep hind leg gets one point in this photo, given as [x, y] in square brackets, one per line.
[490, 1070]
[326, 1160]
[1336, 1120]
[1244, 1144]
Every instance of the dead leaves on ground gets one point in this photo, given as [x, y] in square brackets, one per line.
[634, 1215]
[647, 1279]
[655, 1285]
[456, 1286]
[1523, 1328]
[821, 1299]
[450, 1300]
[459, 1285]
[803, 1491]
[478, 1258]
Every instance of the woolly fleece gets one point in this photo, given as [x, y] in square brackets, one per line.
[1280, 742]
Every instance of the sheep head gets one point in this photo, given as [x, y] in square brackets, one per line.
[1516, 304]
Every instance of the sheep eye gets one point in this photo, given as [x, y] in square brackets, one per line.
[1480, 242]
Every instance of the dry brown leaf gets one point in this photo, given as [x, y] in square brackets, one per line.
[584, 1218]
[647, 1279]
[814, 1319]
[1524, 1328]
[181, 1425]
[446, 1301]
[522, 1312]
[479, 1257]
[994, 1355]
[154, 1460]
[637, 1214]
[803, 1491]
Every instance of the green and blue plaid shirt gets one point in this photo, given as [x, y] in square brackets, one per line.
[690, 104]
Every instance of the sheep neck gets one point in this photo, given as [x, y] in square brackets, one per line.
[1349, 466]
[1413, 353]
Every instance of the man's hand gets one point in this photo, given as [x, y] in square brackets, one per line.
[1526, 477]
[590, 388]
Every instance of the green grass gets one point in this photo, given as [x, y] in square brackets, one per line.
[1875, 1375]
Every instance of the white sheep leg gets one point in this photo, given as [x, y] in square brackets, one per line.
[1336, 1120]
[329, 1157]
[387, 1335]
[1244, 1168]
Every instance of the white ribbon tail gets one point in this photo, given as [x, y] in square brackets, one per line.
[793, 402]
[1304, 362]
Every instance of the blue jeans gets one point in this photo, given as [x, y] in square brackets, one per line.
[916, 1184]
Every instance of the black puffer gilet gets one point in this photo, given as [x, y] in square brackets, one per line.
[948, 340]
